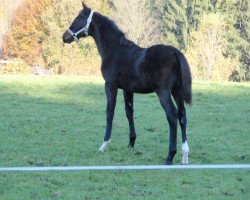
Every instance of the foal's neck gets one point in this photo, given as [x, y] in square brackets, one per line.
[105, 35]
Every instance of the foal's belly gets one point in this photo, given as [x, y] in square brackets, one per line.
[136, 86]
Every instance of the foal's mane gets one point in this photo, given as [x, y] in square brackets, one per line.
[112, 25]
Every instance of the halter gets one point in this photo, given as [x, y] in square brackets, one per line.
[84, 29]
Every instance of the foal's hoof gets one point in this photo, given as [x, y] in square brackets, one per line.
[168, 162]
[184, 160]
[132, 142]
[104, 145]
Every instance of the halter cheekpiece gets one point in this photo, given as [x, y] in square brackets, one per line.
[84, 29]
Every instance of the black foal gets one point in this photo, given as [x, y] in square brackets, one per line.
[125, 65]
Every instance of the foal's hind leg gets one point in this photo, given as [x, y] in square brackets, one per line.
[171, 112]
[183, 123]
[128, 99]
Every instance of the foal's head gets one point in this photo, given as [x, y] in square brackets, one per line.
[80, 26]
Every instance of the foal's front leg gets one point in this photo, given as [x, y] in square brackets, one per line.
[128, 99]
[111, 94]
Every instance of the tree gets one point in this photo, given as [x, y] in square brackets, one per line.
[238, 33]
[195, 11]
[7, 8]
[180, 18]
[137, 21]
[27, 31]
[175, 24]
[207, 48]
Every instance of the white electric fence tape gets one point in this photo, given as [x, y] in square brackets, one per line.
[140, 167]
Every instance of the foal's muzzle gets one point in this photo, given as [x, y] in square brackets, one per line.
[67, 38]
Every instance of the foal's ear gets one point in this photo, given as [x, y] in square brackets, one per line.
[85, 7]
[83, 4]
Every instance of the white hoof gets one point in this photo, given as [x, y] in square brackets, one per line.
[185, 151]
[104, 145]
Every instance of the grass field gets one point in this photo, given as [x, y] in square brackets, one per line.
[60, 121]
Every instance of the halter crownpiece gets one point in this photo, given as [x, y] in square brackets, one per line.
[84, 29]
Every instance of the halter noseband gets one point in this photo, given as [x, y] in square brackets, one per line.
[84, 29]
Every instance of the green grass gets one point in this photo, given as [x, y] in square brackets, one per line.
[60, 121]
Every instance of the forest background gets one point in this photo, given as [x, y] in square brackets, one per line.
[213, 34]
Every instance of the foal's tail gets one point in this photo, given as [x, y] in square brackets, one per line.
[186, 78]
